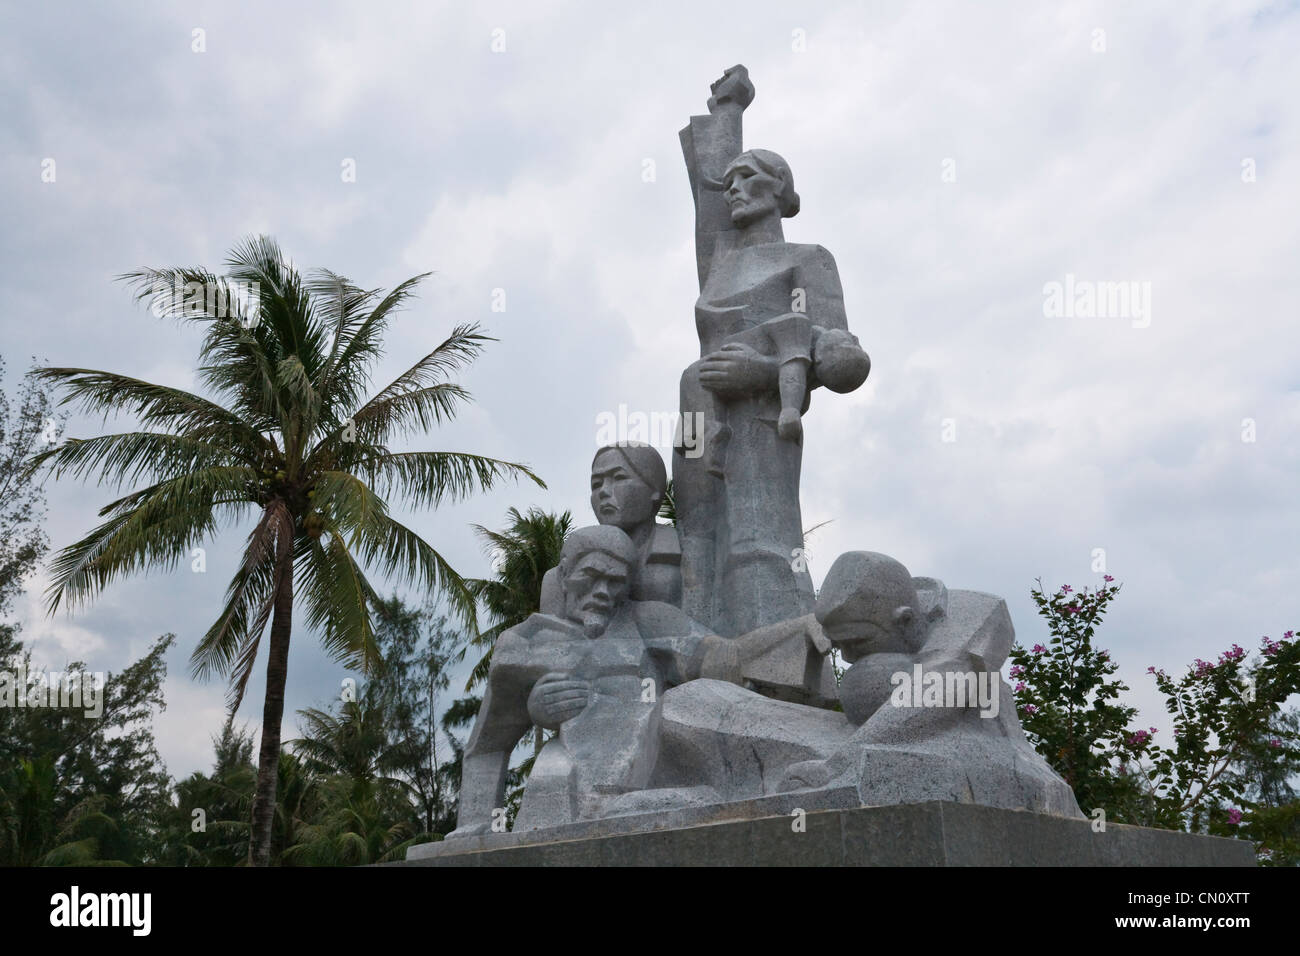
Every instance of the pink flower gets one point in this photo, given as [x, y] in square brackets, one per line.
[1029, 708]
[1108, 579]
[1232, 654]
[1275, 742]
[1066, 589]
[1151, 669]
[1139, 738]
[1234, 816]
[1038, 649]
[1288, 635]
[1203, 667]
[1017, 670]
[1021, 686]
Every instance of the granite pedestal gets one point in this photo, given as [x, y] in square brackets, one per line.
[920, 834]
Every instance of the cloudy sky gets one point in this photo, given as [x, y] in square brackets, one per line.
[956, 158]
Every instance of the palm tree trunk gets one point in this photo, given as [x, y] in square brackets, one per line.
[268, 765]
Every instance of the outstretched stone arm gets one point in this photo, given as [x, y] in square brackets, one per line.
[758, 642]
[709, 144]
[692, 652]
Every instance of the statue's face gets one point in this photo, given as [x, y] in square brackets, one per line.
[876, 621]
[750, 193]
[857, 638]
[618, 496]
[596, 586]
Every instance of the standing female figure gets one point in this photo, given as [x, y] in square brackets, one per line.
[772, 328]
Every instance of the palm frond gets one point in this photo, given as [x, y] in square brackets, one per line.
[156, 531]
[95, 392]
[431, 478]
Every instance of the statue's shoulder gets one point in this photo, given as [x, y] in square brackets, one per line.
[665, 547]
[806, 253]
[541, 627]
[655, 618]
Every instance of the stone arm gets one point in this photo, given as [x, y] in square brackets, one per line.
[709, 144]
[518, 662]
[838, 361]
[683, 649]
[501, 723]
[689, 651]
[764, 639]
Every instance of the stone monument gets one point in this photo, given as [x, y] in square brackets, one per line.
[685, 670]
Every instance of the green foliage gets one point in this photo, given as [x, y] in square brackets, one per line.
[668, 507]
[418, 648]
[521, 555]
[1225, 715]
[24, 430]
[1233, 749]
[1067, 699]
[290, 441]
[217, 835]
[76, 788]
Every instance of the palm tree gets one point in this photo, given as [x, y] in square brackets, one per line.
[521, 555]
[352, 744]
[288, 438]
[668, 507]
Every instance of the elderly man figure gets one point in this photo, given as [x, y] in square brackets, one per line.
[596, 672]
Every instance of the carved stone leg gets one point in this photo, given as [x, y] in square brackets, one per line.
[497, 729]
[697, 496]
[764, 575]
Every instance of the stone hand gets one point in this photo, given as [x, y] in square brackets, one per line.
[736, 370]
[732, 90]
[557, 698]
[817, 638]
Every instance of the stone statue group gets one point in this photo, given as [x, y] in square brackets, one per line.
[688, 666]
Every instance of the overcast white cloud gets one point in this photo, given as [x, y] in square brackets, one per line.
[524, 170]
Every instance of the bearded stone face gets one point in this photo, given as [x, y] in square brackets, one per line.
[594, 588]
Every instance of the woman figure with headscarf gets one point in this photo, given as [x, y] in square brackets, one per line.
[628, 485]
[772, 328]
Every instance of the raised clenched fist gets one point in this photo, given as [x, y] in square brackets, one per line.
[731, 90]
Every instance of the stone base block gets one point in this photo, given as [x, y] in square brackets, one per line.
[920, 834]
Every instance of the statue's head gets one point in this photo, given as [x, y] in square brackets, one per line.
[628, 484]
[868, 604]
[758, 184]
[595, 569]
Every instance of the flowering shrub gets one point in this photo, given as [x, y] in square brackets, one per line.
[1224, 767]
